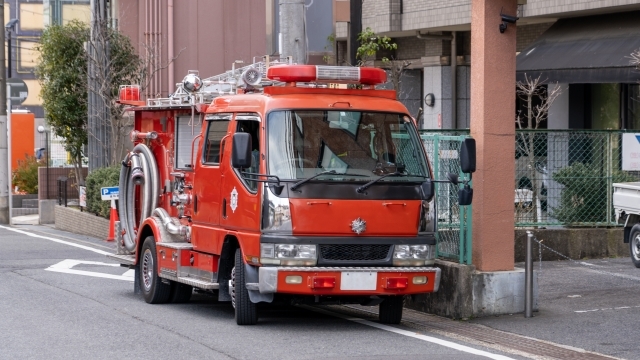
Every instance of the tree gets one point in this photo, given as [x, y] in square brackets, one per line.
[61, 71]
[370, 45]
[537, 99]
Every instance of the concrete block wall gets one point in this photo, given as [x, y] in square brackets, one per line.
[72, 220]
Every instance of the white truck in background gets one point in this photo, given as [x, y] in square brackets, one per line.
[626, 202]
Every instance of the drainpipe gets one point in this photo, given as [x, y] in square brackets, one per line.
[172, 82]
[454, 81]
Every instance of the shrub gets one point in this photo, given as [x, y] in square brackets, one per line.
[25, 177]
[584, 197]
[97, 179]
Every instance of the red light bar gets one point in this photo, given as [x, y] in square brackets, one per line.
[129, 93]
[329, 74]
[397, 283]
[323, 282]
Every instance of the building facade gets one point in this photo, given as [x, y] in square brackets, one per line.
[435, 37]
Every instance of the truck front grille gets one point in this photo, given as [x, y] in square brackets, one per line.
[355, 252]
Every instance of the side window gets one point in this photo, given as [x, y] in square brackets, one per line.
[249, 123]
[184, 139]
[216, 130]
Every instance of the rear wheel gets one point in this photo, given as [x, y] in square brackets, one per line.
[180, 293]
[153, 289]
[391, 310]
[634, 245]
[246, 311]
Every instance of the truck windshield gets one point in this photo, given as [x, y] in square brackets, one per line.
[347, 145]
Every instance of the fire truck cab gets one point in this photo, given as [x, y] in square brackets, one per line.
[271, 182]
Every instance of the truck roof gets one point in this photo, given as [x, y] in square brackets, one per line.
[309, 98]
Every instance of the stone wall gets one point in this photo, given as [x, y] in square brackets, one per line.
[75, 221]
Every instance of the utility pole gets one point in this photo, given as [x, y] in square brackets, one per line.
[293, 39]
[5, 184]
[355, 28]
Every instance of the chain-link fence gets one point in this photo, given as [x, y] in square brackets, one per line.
[454, 221]
[564, 177]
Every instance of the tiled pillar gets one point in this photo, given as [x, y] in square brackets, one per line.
[493, 80]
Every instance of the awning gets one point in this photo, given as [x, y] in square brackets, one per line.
[593, 49]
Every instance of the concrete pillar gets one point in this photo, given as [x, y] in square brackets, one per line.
[493, 81]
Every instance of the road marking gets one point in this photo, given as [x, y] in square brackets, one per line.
[412, 334]
[66, 267]
[101, 252]
[604, 309]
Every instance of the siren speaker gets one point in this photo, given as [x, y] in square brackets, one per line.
[251, 76]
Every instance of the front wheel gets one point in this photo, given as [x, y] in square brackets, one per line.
[634, 245]
[246, 311]
[391, 310]
[153, 289]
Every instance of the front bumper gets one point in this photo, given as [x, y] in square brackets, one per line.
[348, 280]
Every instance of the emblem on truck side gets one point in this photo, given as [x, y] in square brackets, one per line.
[358, 226]
[234, 199]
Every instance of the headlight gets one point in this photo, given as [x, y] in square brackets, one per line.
[288, 254]
[413, 255]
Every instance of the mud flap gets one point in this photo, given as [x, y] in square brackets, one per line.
[251, 276]
[136, 280]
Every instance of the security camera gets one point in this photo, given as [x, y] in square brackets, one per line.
[11, 23]
[508, 18]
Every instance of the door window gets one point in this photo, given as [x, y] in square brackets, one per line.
[216, 130]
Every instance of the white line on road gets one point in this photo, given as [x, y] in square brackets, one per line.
[66, 266]
[414, 335]
[604, 309]
[101, 252]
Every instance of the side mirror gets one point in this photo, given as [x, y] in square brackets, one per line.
[428, 190]
[465, 196]
[241, 151]
[468, 155]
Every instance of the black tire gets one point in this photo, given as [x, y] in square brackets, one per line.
[391, 310]
[180, 293]
[634, 245]
[246, 311]
[154, 290]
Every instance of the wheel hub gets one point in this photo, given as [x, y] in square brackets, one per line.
[635, 247]
[147, 270]
[232, 287]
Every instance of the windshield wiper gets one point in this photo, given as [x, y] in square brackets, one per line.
[296, 185]
[364, 187]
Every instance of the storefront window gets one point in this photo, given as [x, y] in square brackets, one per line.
[633, 107]
[605, 106]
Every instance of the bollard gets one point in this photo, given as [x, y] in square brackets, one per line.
[528, 278]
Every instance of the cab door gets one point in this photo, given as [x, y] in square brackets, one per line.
[240, 195]
[207, 184]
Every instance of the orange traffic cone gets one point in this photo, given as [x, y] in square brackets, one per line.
[113, 217]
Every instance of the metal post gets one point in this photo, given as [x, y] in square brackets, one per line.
[5, 179]
[46, 145]
[8, 54]
[9, 162]
[528, 278]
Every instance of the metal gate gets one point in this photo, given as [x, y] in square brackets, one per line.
[454, 222]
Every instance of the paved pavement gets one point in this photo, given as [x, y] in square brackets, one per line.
[61, 298]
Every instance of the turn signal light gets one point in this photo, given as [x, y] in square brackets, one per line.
[323, 282]
[397, 283]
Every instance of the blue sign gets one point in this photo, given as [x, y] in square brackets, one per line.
[110, 193]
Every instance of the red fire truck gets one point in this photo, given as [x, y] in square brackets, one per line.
[279, 182]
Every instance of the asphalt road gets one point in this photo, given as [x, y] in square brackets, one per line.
[60, 298]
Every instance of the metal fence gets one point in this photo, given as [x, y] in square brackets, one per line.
[454, 221]
[562, 177]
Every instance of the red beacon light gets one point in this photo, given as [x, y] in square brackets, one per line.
[327, 74]
[129, 93]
